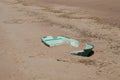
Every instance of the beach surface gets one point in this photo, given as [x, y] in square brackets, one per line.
[24, 22]
[108, 10]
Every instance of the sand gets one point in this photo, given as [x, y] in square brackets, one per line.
[24, 57]
[108, 10]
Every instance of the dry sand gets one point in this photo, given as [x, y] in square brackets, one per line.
[24, 57]
[107, 10]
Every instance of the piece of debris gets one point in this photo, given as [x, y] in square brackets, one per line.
[85, 52]
[50, 41]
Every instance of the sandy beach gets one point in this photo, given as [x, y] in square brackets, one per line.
[24, 22]
[108, 10]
